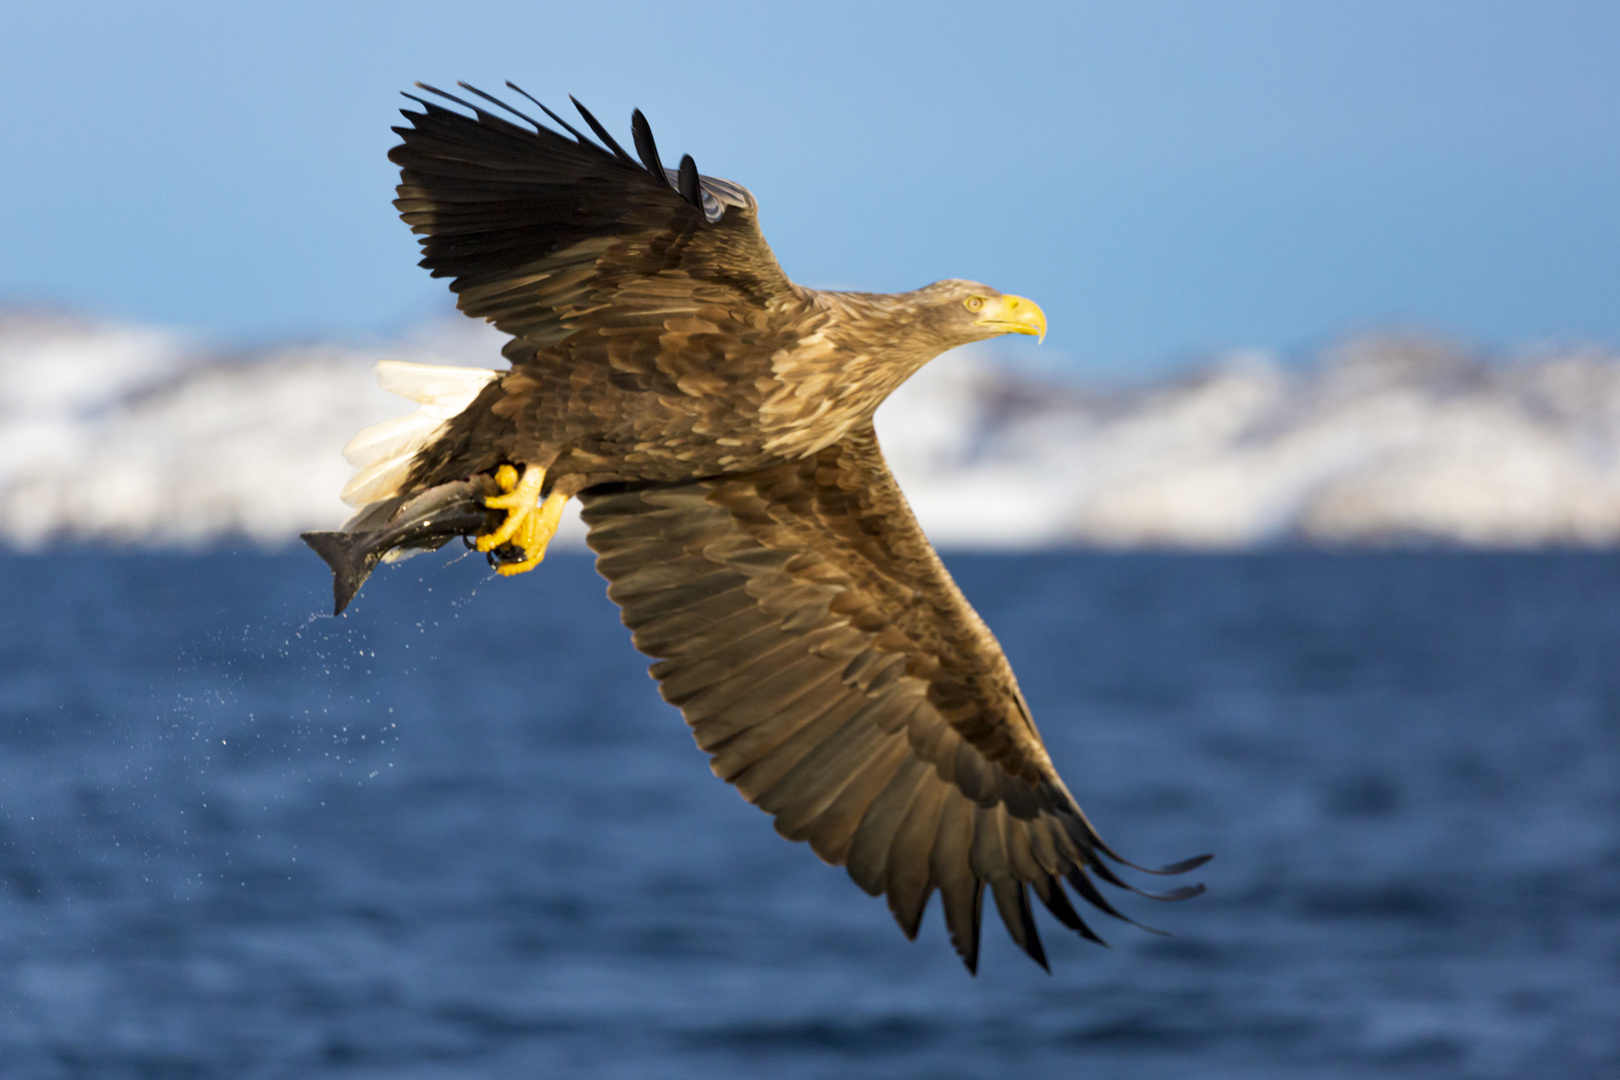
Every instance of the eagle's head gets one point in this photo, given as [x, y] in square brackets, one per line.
[958, 312]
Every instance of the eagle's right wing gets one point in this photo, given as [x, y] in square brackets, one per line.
[552, 237]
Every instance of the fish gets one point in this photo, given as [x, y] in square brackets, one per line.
[399, 528]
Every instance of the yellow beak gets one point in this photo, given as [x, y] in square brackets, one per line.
[1008, 314]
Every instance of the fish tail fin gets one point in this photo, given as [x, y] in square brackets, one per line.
[398, 527]
[352, 557]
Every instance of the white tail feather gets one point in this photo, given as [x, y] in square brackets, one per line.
[390, 437]
[436, 386]
[384, 452]
[379, 480]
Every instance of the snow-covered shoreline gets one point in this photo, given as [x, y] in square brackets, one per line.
[127, 435]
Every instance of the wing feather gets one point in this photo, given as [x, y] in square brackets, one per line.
[833, 831]
[869, 848]
[961, 891]
[799, 796]
[1012, 901]
[910, 878]
[741, 733]
[832, 730]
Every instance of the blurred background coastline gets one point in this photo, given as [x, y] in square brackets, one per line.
[126, 435]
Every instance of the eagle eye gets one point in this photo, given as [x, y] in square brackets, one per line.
[974, 303]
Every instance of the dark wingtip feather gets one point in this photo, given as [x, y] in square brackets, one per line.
[1032, 938]
[646, 147]
[1057, 902]
[1163, 871]
[1088, 892]
[962, 922]
[688, 184]
[1012, 901]
[471, 89]
[1184, 865]
[969, 953]
[602, 132]
[909, 914]
[566, 126]
[426, 104]
[1183, 893]
[448, 97]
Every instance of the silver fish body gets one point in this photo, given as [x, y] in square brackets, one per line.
[397, 529]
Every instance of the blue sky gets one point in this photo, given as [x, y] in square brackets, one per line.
[1166, 179]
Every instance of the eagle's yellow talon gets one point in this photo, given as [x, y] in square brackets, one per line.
[528, 526]
[519, 502]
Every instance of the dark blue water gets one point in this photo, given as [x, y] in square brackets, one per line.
[456, 834]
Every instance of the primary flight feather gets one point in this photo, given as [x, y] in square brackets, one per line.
[715, 421]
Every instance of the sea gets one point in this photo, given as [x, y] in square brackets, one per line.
[456, 832]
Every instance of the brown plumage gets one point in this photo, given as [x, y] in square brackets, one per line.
[715, 420]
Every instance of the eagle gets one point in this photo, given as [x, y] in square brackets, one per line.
[714, 419]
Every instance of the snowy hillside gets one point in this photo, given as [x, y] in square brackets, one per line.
[125, 434]
[1374, 443]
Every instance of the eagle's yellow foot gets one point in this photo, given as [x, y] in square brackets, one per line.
[527, 525]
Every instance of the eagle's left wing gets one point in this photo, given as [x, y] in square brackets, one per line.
[826, 660]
